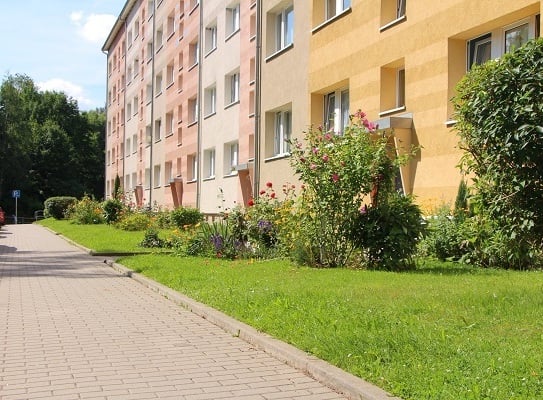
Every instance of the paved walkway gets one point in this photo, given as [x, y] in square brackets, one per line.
[73, 328]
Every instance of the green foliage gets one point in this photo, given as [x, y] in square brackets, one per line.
[135, 221]
[86, 211]
[57, 206]
[186, 216]
[499, 110]
[49, 145]
[338, 172]
[216, 239]
[117, 188]
[113, 209]
[151, 239]
[445, 331]
[388, 233]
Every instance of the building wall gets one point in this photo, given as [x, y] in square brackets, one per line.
[299, 64]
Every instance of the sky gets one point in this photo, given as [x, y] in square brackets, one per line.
[58, 44]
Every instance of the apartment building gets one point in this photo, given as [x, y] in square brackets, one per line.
[203, 94]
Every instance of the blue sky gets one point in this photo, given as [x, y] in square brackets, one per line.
[58, 43]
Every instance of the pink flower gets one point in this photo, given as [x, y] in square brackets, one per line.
[325, 158]
[335, 177]
[298, 145]
[360, 114]
[328, 136]
[363, 209]
[313, 166]
[315, 150]
[269, 184]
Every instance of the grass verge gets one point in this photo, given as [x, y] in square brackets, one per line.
[100, 238]
[444, 332]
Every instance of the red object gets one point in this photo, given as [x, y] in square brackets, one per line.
[2, 220]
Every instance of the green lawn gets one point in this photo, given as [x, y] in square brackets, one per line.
[442, 332]
[101, 238]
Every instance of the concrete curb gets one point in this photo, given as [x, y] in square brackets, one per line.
[335, 378]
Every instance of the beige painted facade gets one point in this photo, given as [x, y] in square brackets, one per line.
[202, 94]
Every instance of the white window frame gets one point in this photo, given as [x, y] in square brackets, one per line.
[156, 175]
[211, 38]
[233, 86]
[232, 20]
[282, 131]
[210, 100]
[231, 150]
[284, 28]
[209, 163]
[335, 7]
[336, 110]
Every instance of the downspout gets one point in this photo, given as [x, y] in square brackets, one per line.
[124, 106]
[258, 91]
[105, 134]
[199, 105]
[151, 168]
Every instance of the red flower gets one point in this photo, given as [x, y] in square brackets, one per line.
[272, 195]
[262, 192]
[251, 203]
[269, 184]
[335, 177]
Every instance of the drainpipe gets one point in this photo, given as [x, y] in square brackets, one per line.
[105, 134]
[124, 106]
[151, 168]
[199, 105]
[258, 91]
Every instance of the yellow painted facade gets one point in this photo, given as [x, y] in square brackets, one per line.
[376, 45]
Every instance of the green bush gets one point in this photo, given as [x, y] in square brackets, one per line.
[134, 222]
[183, 217]
[86, 211]
[447, 237]
[388, 234]
[152, 240]
[112, 210]
[499, 112]
[216, 239]
[56, 207]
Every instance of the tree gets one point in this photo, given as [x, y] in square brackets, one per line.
[51, 148]
[499, 110]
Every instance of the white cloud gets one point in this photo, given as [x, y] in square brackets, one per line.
[93, 28]
[69, 88]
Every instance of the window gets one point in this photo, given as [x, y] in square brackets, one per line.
[179, 166]
[392, 12]
[129, 110]
[148, 134]
[194, 53]
[516, 37]
[335, 7]
[479, 50]
[156, 175]
[392, 88]
[149, 51]
[231, 151]
[193, 110]
[232, 88]
[501, 40]
[170, 25]
[192, 166]
[284, 28]
[136, 104]
[282, 130]
[336, 111]
[168, 172]
[149, 93]
[169, 123]
[158, 83]
[159, 39]
[136, 28]
[129, 74]
[147, 178]
[211, 38]
[134, 180]
[158, 130]
[232, 20]
[169, 74]
[209, 163]
[210, 101]
[127, 148]
[136, 66]
[134, 144]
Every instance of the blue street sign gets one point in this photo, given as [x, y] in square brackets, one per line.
[16, 194]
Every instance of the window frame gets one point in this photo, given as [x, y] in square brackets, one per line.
[335, 119]
[282, 131]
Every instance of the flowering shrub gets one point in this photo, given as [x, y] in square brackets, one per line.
[134, 221]
[86, 211]
[338, 173]
[113, 209]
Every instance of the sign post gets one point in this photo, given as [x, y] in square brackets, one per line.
[16, 194]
